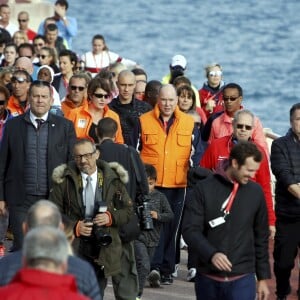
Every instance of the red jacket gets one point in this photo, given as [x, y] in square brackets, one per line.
[219, 150]
[205, 93]
[29, 284]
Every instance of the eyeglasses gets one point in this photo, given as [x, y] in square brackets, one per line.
[15, 79]
[22, 20]
[101, 96]
[79, 88]
[85, 156]
[242, 126]
[215, 73]
[230, 98]
[42, 56]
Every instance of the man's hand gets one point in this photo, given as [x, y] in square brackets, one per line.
[153, 214]
[101, 219]
[2, 207]
[272, 230]
[85, 228]
[263, 292]
[221, 262]
[60, 11]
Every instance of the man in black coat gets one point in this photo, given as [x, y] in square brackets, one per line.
[32, 146]
[128, 157]
[285, 164]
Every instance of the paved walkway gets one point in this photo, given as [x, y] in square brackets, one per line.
[181, 289]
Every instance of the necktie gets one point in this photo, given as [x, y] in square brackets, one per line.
[39, 123]
[89, 198]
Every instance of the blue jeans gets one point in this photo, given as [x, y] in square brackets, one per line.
[243, 288]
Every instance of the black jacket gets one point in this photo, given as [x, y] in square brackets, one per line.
[121, 153]
[285, 165]
[129, 117]
[244, 235]
[61, 137]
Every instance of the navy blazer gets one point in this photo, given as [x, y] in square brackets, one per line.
[61, 138]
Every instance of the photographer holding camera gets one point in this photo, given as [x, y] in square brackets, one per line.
[137, 188]
[92, 194]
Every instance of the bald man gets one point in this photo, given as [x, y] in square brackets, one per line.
[128, 108]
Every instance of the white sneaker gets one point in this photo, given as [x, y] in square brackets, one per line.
[175, 273]
[183, 244]
[191, 274]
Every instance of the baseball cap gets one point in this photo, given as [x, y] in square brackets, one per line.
[179, 60]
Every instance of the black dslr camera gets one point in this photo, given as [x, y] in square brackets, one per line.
[143, 211]
[99, 234]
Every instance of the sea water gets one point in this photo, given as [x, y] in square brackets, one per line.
[256, 42]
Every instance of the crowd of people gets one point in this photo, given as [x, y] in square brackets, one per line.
[116, 154]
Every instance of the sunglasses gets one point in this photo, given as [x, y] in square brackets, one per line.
[2, 102]
[215, 73]
[38, 44]
[22, 20]
[42, 56]
[230, 98]
[15, 79]
[242, 126]
[79, 88]
[101, 96]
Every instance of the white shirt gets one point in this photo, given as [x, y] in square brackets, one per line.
[33, 118]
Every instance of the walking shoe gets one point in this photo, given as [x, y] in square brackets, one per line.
[154, 279]
[183, 244]
[166, 279]
[191, 275]
[175, 273]
[2, 251]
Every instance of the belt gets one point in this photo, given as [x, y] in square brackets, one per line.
[223, 278]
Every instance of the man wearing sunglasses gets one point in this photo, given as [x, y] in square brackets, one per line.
[18, 101]
[33, 144]
[221, 123]
[77, 94]
[23, 19]
[219, 150]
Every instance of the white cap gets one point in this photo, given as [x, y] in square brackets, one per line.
[178, 60]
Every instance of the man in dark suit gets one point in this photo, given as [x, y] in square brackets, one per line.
[33, 145]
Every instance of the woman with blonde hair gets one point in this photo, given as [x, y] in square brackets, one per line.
[20, 37]
[211, 96]
[86, 118]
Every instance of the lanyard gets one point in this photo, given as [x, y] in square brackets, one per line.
[231, 199]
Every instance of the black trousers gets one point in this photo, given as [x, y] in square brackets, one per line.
[286, 246]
